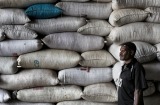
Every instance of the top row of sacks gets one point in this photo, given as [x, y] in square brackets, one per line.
[89, 10]
[87, 0]
[101, 11]
[26, 3]
[22, 3]
[116, 4]
[141, 4]
[47, 11]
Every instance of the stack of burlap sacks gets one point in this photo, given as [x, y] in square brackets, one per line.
[63, 60]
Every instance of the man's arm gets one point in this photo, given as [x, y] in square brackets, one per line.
[137, 96]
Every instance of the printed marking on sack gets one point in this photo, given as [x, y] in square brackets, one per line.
[118, 82]
[36, 63]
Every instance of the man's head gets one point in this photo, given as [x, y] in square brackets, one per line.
[127, 51]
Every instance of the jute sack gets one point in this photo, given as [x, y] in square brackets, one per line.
[15, 102]
[13, 16]
[104, 92]
[119, 4]
[2, 35]
[79, 76]
[18, 32]
[114, 49]
[18, 47]
[50, 94]
[152, 70]
[28, 79]
[89, 10]
[145, 52]
[152, 100]
[4, 96]
[109, 41]
[76, 0]
[50, 59]
[154, 14]
[158, 51]
[124, 16]
[139, 31]
[116, 71]
[74, 41]
[22, 3]
[100, 58]
[96, 27]
[82, 102]
[8, 65]
[99, 1]
[151, 89]
[61, 24]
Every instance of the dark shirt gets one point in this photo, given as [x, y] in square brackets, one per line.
[133, 77]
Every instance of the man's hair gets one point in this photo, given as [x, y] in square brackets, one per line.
[130, 46]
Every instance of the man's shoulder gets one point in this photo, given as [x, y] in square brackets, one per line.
[137, 64]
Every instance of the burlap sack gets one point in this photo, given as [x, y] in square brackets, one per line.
[158, 51]
[154, 15]
[99, 1]
[22, 3]
[18, 32]
[4, 96]
[114, 49]
[82, 102]
[50, 59]
[15, 102]
[109, 41]
[124, 16]
[104, 92]
[139, 31]
[18, 47]
[61, 24]
[50, 94]
[100, 58]
[151, 89]
[116, 71]
[152, 100]
[8, 65]
[89, 10]
[96, 27]
[28, 79]
[74, 41]
[2, 35]
[13, 16]
[152, 70]
[76, 0]
[79, 76]
[119, 4]
[145, 52]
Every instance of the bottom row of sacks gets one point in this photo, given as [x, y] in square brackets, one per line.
[96, 94]
[105, 92]
[150, 100]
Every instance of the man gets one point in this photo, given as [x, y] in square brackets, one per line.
[132, 77]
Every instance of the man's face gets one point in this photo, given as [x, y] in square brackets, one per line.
[125, 53]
